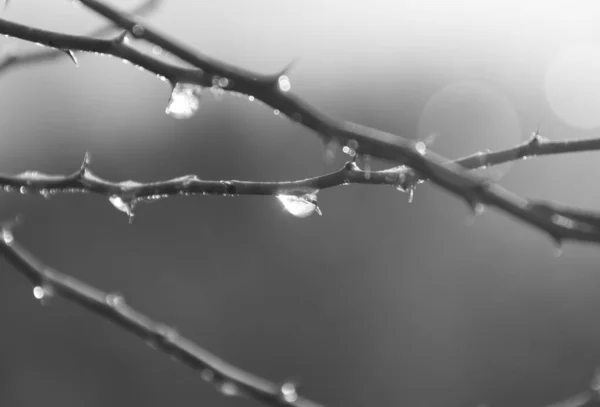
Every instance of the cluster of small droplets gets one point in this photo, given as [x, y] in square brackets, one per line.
[43, 293]
[184, 101]
[300, 205]
[284, 83]
[288, 392]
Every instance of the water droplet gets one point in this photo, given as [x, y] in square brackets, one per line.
[207, 375]
[123, 206]
[220, 81]
[558, 246]
[45, 193]
[411, 194]
[300, 206]
[44, 293]
[351, 148]
[228, 389]
[184, 101]
[23, 190]
[276, 112]
[156, 50]
[288, 392]
[478, 208]
[7, 235]
[251, 98]
[284, 83]
[421, 147]
[115, 300]
[137, 30]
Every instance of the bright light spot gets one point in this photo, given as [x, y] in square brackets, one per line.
[184, 101]
[300, 206]
[572, 85]
[421, 148]
[38, 292]
[120, 204]
[284, 83]
[288, 391]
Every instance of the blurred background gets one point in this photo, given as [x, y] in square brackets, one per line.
[376, 303]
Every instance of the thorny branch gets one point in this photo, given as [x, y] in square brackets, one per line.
[559, 223]
[228, 379]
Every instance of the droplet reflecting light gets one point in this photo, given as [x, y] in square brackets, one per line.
[300, 206]
[184, 101]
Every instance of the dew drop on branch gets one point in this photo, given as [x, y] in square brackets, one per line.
[228, 389]
[184, 101]
[288, 392]
[123, 206]
[284, 83]
[43, 293]
[300, 206]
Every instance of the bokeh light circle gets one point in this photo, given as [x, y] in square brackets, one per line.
[471, 116]
[572, 85]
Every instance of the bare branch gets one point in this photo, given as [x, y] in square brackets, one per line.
[226, 378]
[12, 60]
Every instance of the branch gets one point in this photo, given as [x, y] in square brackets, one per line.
[228, 379]
[274, 90]
[10, 60]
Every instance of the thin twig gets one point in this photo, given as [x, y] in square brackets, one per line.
[21, 59]
[226, 378]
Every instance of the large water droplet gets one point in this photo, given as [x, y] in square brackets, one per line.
[288, 392]
[123, 206]
[184, 101]
[301, 206]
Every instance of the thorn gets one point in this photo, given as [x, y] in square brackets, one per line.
[121, 38]
[71, 55]
[286, 69]
[85, 165]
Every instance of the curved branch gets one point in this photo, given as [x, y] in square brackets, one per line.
[228, 379]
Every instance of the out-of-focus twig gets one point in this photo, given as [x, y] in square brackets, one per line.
[226, 378]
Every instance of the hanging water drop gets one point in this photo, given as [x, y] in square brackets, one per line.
[45, 193]
[288, 392]
[123, 206]
[184, 101]
[276, 112]
[300, 206]
[478, 208]
[421, 147]
[411, 194]
[43, 293]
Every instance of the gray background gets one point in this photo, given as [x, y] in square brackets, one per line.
[376, 303]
